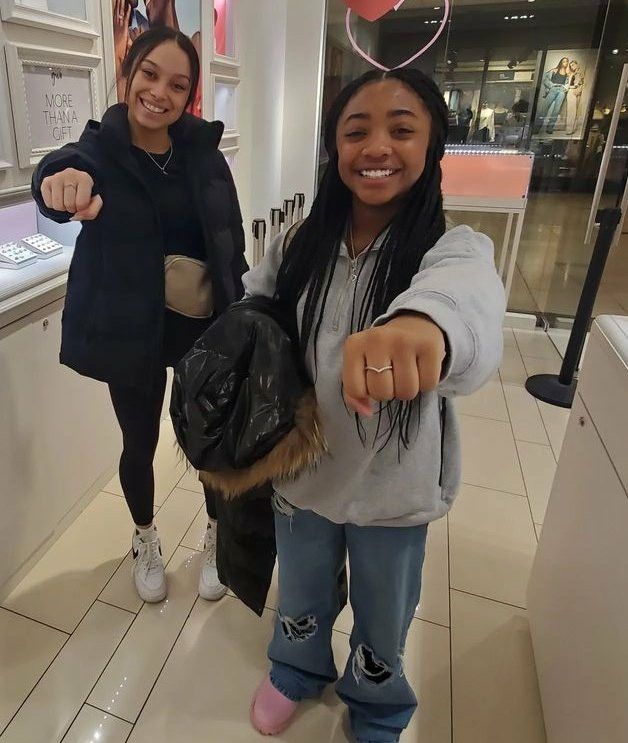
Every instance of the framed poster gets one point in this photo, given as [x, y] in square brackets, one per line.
[54, 93]
[224, 32]
[131, 18]
[566, 87]
[78, 17]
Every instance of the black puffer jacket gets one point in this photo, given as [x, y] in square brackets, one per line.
[244, 412]
[114, 309]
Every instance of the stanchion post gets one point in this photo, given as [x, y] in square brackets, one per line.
[560, 389]
[259, 240]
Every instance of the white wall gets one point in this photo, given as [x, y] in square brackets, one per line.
[262, 49]
[305, 36]
[280, 48]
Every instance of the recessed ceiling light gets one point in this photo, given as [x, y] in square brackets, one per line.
[515, 17]
[506, 17]
[524, 16]
[531, 15]
[615, 51]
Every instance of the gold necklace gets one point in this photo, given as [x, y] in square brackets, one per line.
[352, 253]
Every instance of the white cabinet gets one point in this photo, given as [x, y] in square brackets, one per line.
[577, 599]
[58, 438]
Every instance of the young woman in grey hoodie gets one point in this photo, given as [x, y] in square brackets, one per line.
[396, 318]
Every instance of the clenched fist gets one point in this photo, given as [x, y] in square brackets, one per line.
[70, 191]
[395, 361]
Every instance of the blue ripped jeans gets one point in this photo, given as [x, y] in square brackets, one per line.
[385, 567]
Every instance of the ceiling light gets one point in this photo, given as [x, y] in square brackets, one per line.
[515, 17]
[506, 17]
[524, 16]
[615, 51]
[531, 15]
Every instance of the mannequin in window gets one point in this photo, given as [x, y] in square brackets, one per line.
[486, 123]
[574, 95]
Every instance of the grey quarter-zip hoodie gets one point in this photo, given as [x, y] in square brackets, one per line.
[360, 482]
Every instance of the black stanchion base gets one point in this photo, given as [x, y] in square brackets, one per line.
[547, 388]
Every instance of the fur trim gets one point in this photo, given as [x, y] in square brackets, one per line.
[300, 450]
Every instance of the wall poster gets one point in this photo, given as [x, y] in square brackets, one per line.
[132, 17]
[566, 89]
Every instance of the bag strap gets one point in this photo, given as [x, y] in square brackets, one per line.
[292, 231]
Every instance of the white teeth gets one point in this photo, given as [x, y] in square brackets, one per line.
[376, 173]
[154, 109]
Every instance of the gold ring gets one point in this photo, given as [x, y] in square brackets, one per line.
[379, 371]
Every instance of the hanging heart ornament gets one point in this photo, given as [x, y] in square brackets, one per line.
[373, 10]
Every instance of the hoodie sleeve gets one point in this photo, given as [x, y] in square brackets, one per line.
[458, 288]
[82, 155]
[261, 280]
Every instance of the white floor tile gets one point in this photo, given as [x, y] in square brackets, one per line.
[512, 370]
[173, 520]
[487, 402]
[489, 456]
[495, 689]
[535, 365]
[539, 468]
[555, 420]
[427, 668]
[57, 698]
[536, 344]
[69, 577]
[94, 726]
[194, 538]
[527, 424]
[126, 682]
[492, 544]
[190, 481]
[208, 682]
[27, 648]
[168, 465]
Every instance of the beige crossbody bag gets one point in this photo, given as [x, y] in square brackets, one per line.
[189, 289]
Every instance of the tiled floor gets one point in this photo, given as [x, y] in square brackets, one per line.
[83, 660]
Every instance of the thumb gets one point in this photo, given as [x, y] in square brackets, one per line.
[361, 406]
[92, 211]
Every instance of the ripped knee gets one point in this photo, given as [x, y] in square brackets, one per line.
[298, 630]
[368, 667]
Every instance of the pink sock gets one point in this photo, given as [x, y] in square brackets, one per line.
[271, 711]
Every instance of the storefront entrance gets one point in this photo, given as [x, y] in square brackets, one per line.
[541, 76]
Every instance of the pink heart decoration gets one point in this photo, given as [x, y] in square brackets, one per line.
[373, 10]
[390, 5]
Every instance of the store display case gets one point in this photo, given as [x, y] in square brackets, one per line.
[491, 180]
[58, 437]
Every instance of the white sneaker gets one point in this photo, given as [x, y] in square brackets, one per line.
[209, 587]
[148, 567]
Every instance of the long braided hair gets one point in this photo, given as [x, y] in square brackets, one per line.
[308, 266]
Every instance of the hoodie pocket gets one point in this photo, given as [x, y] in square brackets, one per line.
[443, 423]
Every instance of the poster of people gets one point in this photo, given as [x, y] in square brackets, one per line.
[132, 17]
[566, 88]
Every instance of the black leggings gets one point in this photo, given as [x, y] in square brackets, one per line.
[138, 411]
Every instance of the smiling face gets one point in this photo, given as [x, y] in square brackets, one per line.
[158, 92]
[382, 139]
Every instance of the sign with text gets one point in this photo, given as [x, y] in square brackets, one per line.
[59, 103]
